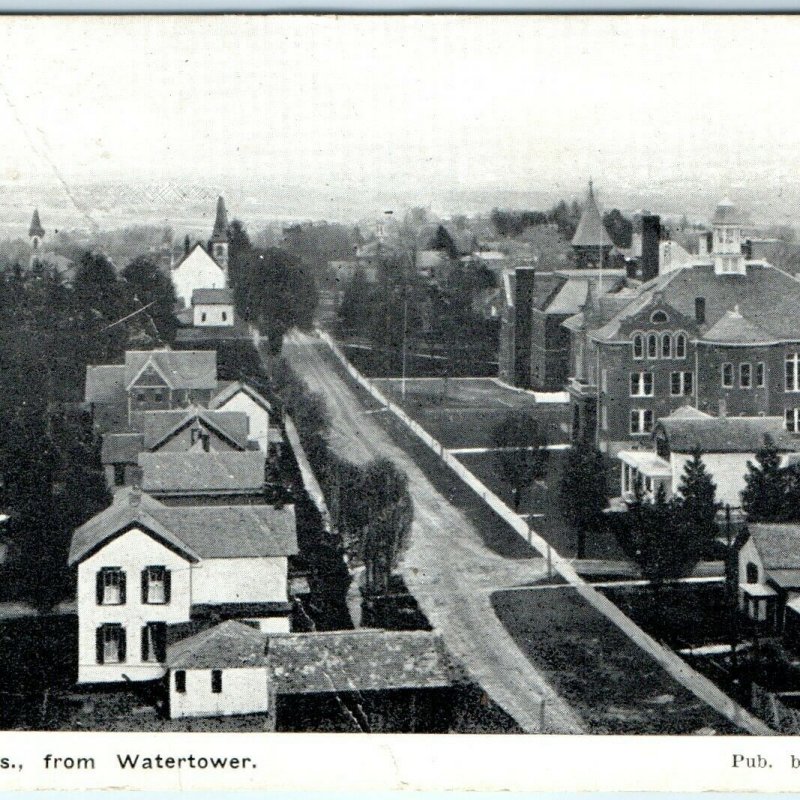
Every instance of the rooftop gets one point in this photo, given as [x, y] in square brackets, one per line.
[121, 448]
[202, 473]
[725, 434]
[105, 383]
[210, 297]
[199, 532]
[590, 231]
[778, 544]
[228, 645]
[180, 369]
[232, 389]
[159, 426]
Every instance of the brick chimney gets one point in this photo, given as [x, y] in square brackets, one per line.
[651, 236]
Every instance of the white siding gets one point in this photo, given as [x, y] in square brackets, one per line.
[244, 691]
[258, 418]
[213, 315]
[132, 552]
[240, 580]
[197, 271]
[727, 470]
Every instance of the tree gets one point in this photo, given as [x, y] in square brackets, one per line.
[442, 240]
[619, 228]
[698, 506]
[583, 491]
[522, 455]
[764, 495]
[356, 308]
[148, 284]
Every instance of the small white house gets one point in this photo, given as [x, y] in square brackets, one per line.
[727, 444]
[197, 270]
[220, 671]
[239, 397]
[143, 566]
[212, 308]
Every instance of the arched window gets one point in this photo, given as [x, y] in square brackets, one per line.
[652, 345]
[659, 317]
[638, 345]
[666, 345]
[752, 572]
[680, 345]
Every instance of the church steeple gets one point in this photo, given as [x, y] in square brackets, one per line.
[36, 231]
[219, 237]
[591, 241]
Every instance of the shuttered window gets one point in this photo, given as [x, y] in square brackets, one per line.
[111, 587]
[154, 642]
[111, 644]
[156, 585]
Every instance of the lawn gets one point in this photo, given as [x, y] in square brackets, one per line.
[542, 498]
[614, 685]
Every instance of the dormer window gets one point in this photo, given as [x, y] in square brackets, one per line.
[659, 317]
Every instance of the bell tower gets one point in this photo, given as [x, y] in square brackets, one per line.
[727, 235]
[218, 244]
[36, 234]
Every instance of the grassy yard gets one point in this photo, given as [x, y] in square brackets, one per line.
[614, 685]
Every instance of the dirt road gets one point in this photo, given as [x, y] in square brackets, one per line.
[448, 568]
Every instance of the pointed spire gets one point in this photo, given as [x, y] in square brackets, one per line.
[220, 233]
[36, 228]
[591, 232]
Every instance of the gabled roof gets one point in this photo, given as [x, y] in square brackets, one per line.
[159, 426]
[212, 297]
[121, 448]
[105, 383]
[192, 250]
[202, 473]
[232, 389]
[36, 228]
[777, 544]
[181, 369]
[198, 532]
[733, 328]
[229, 645]
[688, 412]
[726, 434]
[590, 231]
[362, 660]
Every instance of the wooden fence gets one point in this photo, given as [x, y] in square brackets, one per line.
[675, 666]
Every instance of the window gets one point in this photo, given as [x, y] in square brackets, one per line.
[666, 345]
[155, 585]
[745, 376]
[154, 642]
[680, 345]
[727, 375]
[638, 346]
[110, 587]
[641, 421]
[111, 644]
[180, 681]
[681, 383]
[793, 420]
[641, 384]
[659, 317]
[652, 345]
[604, 380]
[158, 397]
[119, 474]
[216, 681]
[224, 316]
[760, 374]
[141, 397]
[203, 317]
[752, 572]
[792, 382]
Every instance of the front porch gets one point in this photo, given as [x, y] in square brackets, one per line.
[645, 466]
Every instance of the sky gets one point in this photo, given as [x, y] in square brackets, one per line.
[353, 105]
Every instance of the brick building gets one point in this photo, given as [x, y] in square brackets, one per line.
[720, 333]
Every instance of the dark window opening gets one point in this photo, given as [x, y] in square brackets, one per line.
[752, 572]
[216, 681]
[119, 474]
[180, 681]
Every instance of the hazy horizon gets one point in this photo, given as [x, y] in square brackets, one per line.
[339, 117]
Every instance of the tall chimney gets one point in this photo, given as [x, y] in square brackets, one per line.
[651, 235]
[523, 313]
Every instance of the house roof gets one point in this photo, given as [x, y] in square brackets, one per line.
[648, 463]
[726, 434]
[202, 473]
[733, 328]
[362, 660]
[688, 412]
[105, 383]
[232, 389]
[181, 369]
[590, 231]
[766, 297]
[161, 425]
[229, 645]
[121, 448]
[192, 249]
[778, 544]
[211, 297]
[199, 532]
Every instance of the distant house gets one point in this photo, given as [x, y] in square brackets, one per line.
[210, 319]
[727, 444]
[143, 566]
[239, 397]
[212, 307]
[768, 577]
[200, 478]
[197, 270]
